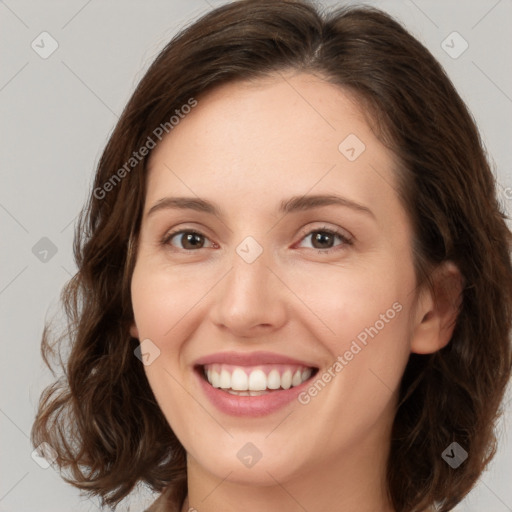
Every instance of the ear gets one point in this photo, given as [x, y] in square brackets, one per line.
[134, 332]
[437, 310]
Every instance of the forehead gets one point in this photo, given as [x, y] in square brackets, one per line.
[283, 135]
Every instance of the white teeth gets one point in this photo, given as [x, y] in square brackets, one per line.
[257, 380]
[306, 374]
[257, 393]
[237, 382]
[215, 379]
[225, 379]
[286, 379]
[274, 380]
[297, 378]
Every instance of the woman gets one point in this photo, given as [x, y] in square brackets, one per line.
[294, 283]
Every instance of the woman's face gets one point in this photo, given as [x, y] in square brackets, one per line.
[291, 256]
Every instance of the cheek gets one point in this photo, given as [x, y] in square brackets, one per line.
[350, 303]
[363, 322]
[162, 299]
[163, 296]
[337, 304]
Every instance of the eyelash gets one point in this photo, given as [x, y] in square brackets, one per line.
[332, 232]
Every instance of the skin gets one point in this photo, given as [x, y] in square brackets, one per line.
[246, 147]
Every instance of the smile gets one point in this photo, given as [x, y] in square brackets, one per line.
[255, 380]
[252, 384]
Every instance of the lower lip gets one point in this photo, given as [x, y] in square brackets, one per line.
[250, 405]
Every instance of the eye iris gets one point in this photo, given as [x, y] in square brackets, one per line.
[194, 239]
[322, 237]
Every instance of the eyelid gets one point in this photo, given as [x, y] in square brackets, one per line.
[346, 237]
[342, 233]
[168, 236]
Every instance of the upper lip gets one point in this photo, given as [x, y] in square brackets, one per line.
[249, 359]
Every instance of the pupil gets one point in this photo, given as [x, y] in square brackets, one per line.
[322, 237]
[193, 239]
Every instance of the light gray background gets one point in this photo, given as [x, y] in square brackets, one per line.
[56, 115]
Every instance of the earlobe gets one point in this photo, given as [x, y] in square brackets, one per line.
[438, 310]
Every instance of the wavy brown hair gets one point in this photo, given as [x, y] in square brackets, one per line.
[101, 416]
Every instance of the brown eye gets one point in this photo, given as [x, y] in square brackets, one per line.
[322, 240]
[187, 240]
[325, 239]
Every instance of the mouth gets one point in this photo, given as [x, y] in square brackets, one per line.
[252, 384]
[258, 380]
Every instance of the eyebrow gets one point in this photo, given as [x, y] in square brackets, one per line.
[294, 204]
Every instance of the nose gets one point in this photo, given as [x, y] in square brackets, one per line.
[251, 300]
